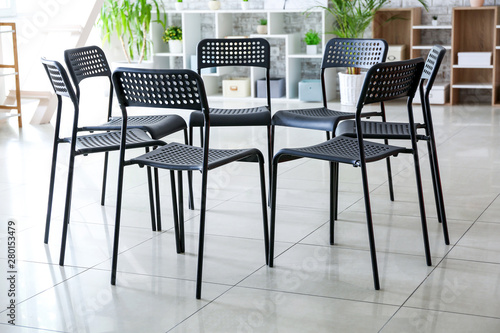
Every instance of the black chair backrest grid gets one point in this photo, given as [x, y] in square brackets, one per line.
[59, 79]
[387, 81]
[252, 52]
[86, 62]
[174, 89]
[432, 64]
[361, 53]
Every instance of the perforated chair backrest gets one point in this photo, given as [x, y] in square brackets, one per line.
[59, 79]
[354, 52]
[432, 64]
[249, 52]
[169, 88]
[388, 81]
[85, 62]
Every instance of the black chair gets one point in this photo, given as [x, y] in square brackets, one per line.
[383, 82]
[240, 52]
[90, 62]
[339, 52]
[182, 90]
[401, 131]
[80, 145]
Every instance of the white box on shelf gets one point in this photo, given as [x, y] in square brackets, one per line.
[474, 58]
[277, 87]
[236, 87]
[396, 52]
[310, 91]
[439, 94]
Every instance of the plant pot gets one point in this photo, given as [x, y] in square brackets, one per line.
[350, 87]
[244, 5]
[434, 23]
[476, 3]
[179, 5]
[311, 49]
[175, 46]
[214, 5]
[262, 29]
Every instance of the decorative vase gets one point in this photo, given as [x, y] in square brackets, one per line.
[179, 5]
[476, 3]
[262, 29]
[244, 5]
[311, 49]
[350, 87]
[214, 4]
[175, 46]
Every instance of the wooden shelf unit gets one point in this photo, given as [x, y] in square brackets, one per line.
[12, 70]
[475, 29]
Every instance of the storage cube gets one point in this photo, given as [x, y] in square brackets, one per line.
[439, 94]
[194, 66]
[474, 58]
[396, 53]
[310, 91]
[236, 87]
[277, 88]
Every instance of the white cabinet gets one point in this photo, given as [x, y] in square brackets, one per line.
[287, 48]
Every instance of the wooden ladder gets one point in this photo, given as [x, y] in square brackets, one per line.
[12, 29]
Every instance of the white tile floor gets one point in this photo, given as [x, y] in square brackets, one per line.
[314, 287]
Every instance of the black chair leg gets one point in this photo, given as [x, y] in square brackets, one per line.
[51, 192]
[201, 242]
[190, 174]
[434, 183]
[119, 194]
[151, 197]
[67, 206]
[104, 178]
[181, 211]
[273, 210]
[175, 212]
[157, 194]
[264, 207]
[333, 195]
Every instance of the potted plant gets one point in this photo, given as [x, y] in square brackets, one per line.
[434, 20]
[312, 40]
[178, 5]
[262, 27]
[173, 36]
[131, 21]
[214, 4]
[244, 4]
[352, 18]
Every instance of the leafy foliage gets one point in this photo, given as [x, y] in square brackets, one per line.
[312, 37]
[172, 33]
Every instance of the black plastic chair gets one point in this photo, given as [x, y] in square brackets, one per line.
[182, 90]
[240, 52]
[90, 62]
[383, 82]
[339, 52]
[401, 131]
[80, 145]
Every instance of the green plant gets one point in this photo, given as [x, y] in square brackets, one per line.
[352, 17]
[172, 33]
[263, 22]
[245, 0]
[312, 37]
[435, 17]
[179, 0]
[131, 21]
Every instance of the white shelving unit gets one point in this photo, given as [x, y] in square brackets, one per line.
[194, 28]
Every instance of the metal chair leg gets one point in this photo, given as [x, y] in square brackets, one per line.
[157, 194]
[51, 192]
[104, 178]
[181, 211]
[151, 197]
[264, 207]
[190, 174]
[175, 212]
[274, 189]
[201, 242]
[67, 206]
[119, 194]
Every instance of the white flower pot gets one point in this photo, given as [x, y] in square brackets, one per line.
[214, 5]
[435, 23]
[175, 46]
[244, 5]
[179, 5]
[262, 29]
[350, 87]
[311, 49]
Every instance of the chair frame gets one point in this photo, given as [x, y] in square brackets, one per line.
[379, 86]
[182, 90]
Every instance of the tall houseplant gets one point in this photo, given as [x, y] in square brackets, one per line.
[131, 21]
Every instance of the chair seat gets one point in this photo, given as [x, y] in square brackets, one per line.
[344, 150]
[110, 141]
[257, 116]
[177, 156]
[322, 118]
[377, 130]
[158, 126]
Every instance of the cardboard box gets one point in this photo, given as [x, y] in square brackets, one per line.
[439, 94]
[277, 88]
[236, 87]
[396, 53]
[474, 59]
[310, 91]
